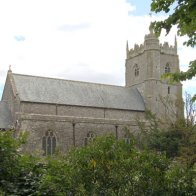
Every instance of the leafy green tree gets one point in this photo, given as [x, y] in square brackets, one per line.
[112, 167]
[180, 180]
[155, 136]
[183, 14]
[19, 173]
[104, 167]
[8, 159]
[177, 140]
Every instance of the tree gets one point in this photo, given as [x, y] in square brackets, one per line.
[182, 14]
[107, 166]
[177, 140]
[190, 110]
[19, 173]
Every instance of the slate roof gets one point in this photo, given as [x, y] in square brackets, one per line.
[66, 92]
[5, 116]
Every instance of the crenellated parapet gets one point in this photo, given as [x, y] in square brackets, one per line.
[151, 42]
[138, 49]
[168, 49]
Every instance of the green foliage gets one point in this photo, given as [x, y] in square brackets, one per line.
[56, 178]
[111, 167]
[182, 14]
[177, 141]
[181, 180]
[187, 150]
[104, 167]
[182, 76]
[19, 173]
[8, 157]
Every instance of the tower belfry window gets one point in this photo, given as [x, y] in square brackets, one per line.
[49, 143]
[136, 70]
[167, 68]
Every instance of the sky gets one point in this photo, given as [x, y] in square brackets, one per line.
[77, 40]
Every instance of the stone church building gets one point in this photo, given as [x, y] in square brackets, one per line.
[61, 113]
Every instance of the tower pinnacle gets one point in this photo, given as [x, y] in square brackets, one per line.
[151, 30]
[10, 68]
[127, 47]
[175, 43]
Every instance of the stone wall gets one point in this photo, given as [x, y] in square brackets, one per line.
[78, 111]
[172, 60]
[69, 131]
[10, 96]
[38, 108]
[151, 59]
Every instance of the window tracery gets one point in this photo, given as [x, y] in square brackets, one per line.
[49, 143]
[89, 138]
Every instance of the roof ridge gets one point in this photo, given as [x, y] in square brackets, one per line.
[76, 81]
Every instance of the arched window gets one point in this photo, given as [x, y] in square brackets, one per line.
[167, 68]
[136, 70]
[90, 137]
[49, 143]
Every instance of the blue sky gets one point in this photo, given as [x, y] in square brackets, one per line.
[142, 7]
[76, 40]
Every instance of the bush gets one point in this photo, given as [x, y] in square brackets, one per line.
[19, 172]
[104, 167]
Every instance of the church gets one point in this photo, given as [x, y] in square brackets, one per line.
[60, 114]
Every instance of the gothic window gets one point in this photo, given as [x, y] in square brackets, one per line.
[136, 70]
[49, 143]
[90, 137]
[167, 68]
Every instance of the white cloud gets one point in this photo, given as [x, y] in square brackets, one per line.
[73, 27]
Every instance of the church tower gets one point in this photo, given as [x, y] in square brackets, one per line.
[145, 65]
